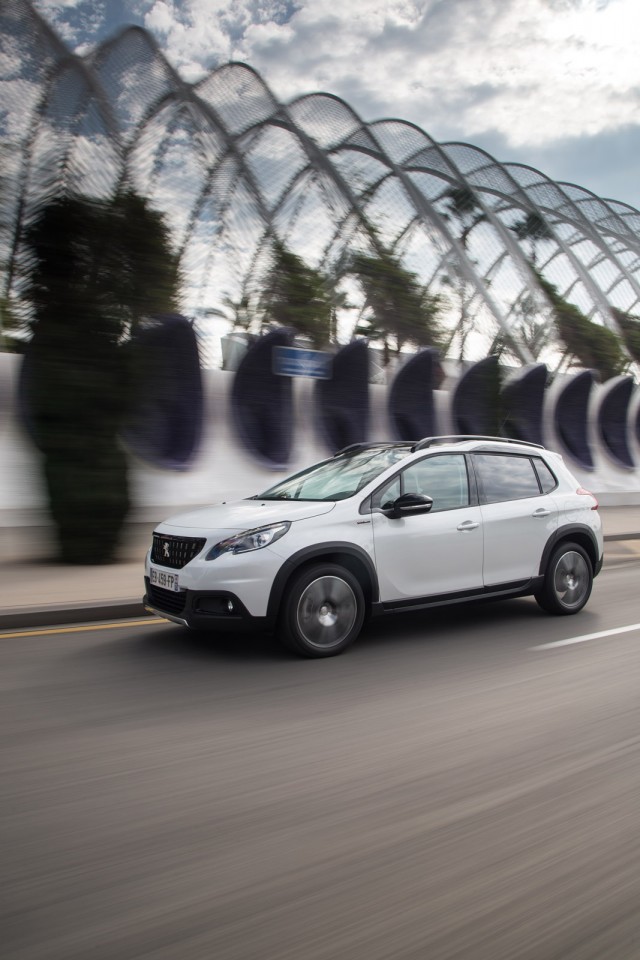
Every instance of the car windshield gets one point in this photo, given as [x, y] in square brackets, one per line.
[338, 478]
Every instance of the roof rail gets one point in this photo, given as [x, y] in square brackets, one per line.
[354, 447]
[460, 438]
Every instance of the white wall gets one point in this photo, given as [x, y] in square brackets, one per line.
[223, 470]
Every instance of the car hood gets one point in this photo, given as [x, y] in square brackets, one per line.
[239, 515]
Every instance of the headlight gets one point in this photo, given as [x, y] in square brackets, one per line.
[250, 540]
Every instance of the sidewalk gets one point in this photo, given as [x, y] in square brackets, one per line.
[39, 593]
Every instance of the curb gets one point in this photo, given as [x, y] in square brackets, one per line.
[20, 618]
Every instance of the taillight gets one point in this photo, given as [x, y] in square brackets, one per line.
[587, 493]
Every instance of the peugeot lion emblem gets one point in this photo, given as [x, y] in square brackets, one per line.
[165, 549]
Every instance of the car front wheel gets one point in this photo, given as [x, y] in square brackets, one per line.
[568, 580]
[322, 612]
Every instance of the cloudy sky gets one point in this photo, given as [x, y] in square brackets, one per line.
[552, 83]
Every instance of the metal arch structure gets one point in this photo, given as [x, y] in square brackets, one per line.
[231, 167]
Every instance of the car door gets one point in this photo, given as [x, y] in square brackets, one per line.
[519, 514]
[431, 553]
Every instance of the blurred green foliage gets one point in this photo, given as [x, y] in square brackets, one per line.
[296, 295]
[95, 270]
[629, 326]
[595, 347]
[401, 311]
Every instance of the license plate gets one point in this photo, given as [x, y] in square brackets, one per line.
[160, 578]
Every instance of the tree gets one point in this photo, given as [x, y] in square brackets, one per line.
[400, 310]
[595, 347]
[528, 326]
[629, 326]
[95, 269]
[240, 311]
[533, 228]
[295, 295]
[461, 208]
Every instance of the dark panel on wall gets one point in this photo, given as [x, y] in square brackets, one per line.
[262, 402]
[411, 407]
[636, 423]
[166, 424]
[612, 419]
[523, 404]
[570, 417]
[475, 405]
[342, 403]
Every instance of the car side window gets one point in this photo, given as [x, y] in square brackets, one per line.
[505, 477]
[443, 477]
[384, 497]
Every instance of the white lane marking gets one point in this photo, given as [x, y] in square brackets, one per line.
[587, 636]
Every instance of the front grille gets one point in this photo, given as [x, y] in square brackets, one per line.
[166, 600]
[175, 552]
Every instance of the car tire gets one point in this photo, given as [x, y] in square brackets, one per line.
[322, 612]
[567, 581]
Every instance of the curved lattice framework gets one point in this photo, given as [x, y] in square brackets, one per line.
[231, 167]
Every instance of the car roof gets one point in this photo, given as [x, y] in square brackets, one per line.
[469, 441]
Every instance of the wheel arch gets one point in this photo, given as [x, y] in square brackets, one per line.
[353, 558]
[577, 533]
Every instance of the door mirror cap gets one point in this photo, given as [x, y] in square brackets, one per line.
[409, 504]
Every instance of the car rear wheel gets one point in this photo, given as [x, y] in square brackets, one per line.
[568, 580]
[322, 612]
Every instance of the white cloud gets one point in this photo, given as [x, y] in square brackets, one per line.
[199, 34]
[160, 19]
[530, 70]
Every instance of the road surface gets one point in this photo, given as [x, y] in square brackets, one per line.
[443, 791]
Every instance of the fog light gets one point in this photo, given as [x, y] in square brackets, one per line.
[230, 606]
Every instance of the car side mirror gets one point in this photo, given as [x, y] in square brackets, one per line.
[409, 504]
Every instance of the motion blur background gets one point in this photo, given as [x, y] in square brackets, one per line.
[159, 237]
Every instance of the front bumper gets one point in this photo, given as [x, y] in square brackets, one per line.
[201, 609]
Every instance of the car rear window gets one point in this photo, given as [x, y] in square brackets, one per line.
[547, 480]
[504, 477]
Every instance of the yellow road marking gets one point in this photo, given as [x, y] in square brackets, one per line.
[85, 629]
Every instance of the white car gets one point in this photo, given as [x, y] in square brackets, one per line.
[381, 528]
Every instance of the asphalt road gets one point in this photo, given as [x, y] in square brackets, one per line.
[441, 791]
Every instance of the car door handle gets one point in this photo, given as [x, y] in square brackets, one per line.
[542, 512]
[468, 525]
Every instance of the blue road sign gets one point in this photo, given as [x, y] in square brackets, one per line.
[295, 362]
